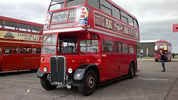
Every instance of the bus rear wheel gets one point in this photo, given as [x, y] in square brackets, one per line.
[170, 59]
[132, 72]
[156, 60]
[46, 84]
[88, 84]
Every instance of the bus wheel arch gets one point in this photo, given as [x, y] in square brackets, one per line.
[88, 83]
[95, 69]
[83, 69]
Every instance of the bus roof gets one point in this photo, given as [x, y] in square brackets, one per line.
[148, 41]
[116, 5]
[20, 21]
[164, 41]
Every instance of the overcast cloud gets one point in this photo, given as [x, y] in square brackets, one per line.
[155, 16]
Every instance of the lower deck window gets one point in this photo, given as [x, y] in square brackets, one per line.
[89, 46]
[7, 51]
[131, 50]
[67, 46]
[0, 51]
[48, 49]
[125, 49]
[107, 46]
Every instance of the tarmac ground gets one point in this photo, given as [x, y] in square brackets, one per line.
[149, 84]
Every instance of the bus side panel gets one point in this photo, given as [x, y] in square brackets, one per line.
[33, 61]
[1, 58]
[7, 63]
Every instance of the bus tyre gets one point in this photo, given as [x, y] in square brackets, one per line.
[132, 72]
[156, 60]
[170, 59]
[33, 70]
[88, 84]
[46, 84]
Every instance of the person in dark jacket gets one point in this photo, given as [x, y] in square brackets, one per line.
[173, 55]
[163, 59]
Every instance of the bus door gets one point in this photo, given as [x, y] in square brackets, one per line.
[108, 62]
[125, 59]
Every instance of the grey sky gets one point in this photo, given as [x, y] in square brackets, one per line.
[155, 16]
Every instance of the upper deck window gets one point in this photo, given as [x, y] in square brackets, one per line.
[1, 22]
[64, 16]
[94, 3]
[130, 20]
[136, 24]
[70, 3]
[106, 7]
[124, 17]
[116, 12]
[58, 4]
[113, 10]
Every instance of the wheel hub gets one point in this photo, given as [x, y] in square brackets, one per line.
[91, 81]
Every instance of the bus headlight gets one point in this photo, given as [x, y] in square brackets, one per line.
[70, 70]
[45, 69]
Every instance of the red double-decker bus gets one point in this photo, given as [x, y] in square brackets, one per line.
[166, 47]
[20, 45]
[86, 42]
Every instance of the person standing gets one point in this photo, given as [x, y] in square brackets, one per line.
[173, 55]
[163, 59]
[141, 53]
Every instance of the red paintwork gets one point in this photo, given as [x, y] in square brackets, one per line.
[157, 52]
[110, 65]
[14, 62]
[175, 27]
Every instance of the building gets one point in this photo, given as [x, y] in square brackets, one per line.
[147, 47]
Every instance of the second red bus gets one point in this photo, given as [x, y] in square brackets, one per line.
[20, 45]
[166, 47]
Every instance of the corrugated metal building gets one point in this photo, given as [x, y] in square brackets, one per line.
[147, 47]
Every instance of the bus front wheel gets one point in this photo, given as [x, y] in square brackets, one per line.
[88, 84]
[46, 84]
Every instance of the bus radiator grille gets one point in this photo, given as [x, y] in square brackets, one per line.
[57, 65]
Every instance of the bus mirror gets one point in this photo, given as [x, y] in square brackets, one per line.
[156, 48]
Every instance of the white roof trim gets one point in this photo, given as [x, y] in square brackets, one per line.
[65, 30]
[148, 41]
